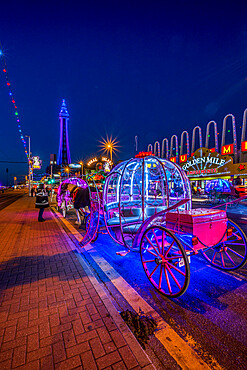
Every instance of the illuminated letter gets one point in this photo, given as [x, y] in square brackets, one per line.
[227, 149]
[244, 146]
[183, 158]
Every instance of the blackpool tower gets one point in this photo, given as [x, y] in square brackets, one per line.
[64, 153]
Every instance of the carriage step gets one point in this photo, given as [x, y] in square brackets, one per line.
[122, 253]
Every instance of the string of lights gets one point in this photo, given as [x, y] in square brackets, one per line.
[11, 95]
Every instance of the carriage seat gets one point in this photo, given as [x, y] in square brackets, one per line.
[152, 210]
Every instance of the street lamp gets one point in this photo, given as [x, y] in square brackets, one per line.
[81, 163]
[109, 146]
[67, 170]
[29, 166]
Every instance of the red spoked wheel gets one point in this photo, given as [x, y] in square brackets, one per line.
[165, 261]
[230, 254]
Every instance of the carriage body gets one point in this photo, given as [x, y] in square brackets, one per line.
[137, 190]
[206, 226]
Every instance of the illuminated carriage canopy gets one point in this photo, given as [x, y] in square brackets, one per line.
[140, 188]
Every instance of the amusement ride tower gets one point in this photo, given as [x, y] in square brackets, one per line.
[64, 153]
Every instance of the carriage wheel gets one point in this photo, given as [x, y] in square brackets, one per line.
[165, 261]
[64, 209]
[230, 254]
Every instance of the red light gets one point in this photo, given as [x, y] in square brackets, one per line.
[4, 70]
[229, 232]
[194, 240]
[13, 101]
[143, 154]
[8, 84]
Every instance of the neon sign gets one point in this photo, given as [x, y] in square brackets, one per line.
[244, 146]
[143, 154]
[241, 167]
[201, 172]
[93, 160]
[104, 159]
[74, 165]
[227, 149]
[36, 161]
[183, 158]
[204, 160]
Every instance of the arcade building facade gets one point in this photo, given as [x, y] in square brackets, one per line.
[226, 161]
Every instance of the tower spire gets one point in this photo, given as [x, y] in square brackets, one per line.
[64, 152]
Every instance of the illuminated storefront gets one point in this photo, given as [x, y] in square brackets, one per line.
[206, 164]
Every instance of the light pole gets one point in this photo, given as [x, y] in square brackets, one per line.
[29, 166]
[67, 170]
[109, 146]
[81, 163]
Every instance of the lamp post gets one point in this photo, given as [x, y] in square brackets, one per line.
[29, 167]
[109, 146]
[67, 170]
[81, 163]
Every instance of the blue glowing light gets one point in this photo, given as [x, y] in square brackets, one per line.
[219, 185]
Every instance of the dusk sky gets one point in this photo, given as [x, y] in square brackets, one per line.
[151, 69]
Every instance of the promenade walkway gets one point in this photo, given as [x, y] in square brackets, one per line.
[53, 312]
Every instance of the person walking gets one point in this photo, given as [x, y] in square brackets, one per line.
[41, 201]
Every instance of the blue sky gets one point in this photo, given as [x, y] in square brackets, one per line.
[150, 69]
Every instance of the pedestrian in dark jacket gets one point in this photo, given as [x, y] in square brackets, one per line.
[41, 201]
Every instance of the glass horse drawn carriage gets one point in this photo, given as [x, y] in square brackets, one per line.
[64, 198]
[147, 207]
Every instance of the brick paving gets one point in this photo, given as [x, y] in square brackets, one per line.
[51, 315]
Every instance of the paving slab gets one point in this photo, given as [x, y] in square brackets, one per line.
[54, 314]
